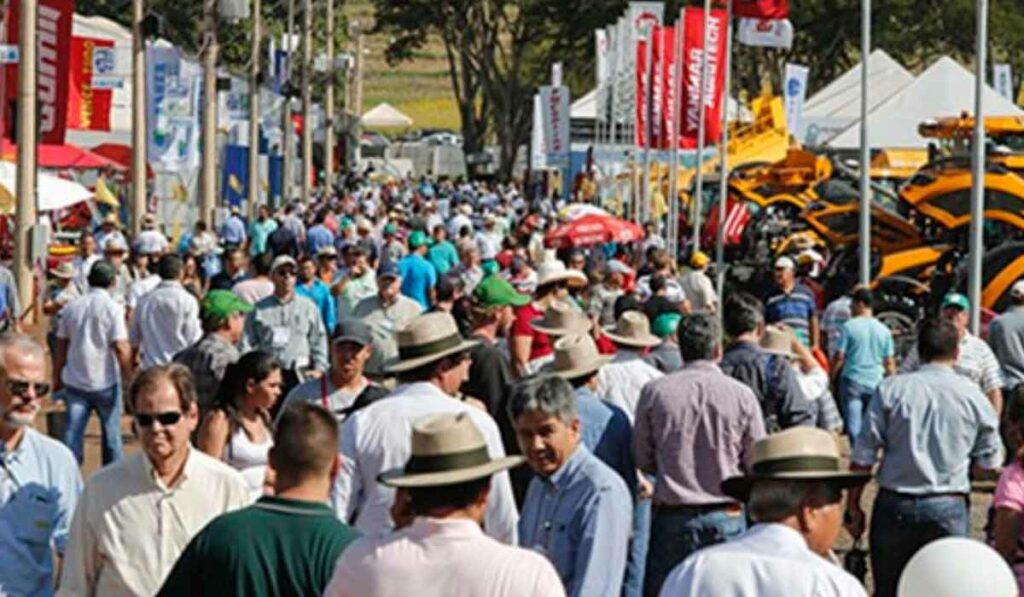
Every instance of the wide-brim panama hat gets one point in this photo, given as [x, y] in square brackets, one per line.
[561, 319]
[446, 449]
[632, 329]
[553, 270]
[778, 340]
[428, 338]
[797, 454]
[576, 355]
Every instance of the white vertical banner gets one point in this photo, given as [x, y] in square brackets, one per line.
[1002, 80]
[601, 56]
[537, 143]
[794, 89]
[556, 74]
[554, 102]
[623, 72]
[643, 16]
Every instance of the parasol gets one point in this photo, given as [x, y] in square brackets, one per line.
[53, 192]
[591, 230]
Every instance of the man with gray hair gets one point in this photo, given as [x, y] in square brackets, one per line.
[39, 479]
[577, 509]
[694, 428]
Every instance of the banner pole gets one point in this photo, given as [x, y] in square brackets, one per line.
[696, 199]
[864, 220]
[672, 230]
[723, 160]
[977, 247]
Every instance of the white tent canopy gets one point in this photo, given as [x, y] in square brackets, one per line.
[384, 115]
[837, 105]
[944, 89]
[53, 192]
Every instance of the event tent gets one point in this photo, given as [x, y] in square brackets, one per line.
[384, 115]
[945, 89]
[837, 105]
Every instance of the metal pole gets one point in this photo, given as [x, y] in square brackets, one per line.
[329, 100]
[357, 90]
[286, 113]
[865, 147]
[648, 80]
[208, 187]
[254, 112]
[723, 160]
[25, 215]
[672, 229]
[307, 97]
[978, 167]
[697, 199]
[139, 141]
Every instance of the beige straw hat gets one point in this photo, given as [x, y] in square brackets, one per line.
[428, 338]
[554, 270]
[778, 340]
[561, 319]
[576, 355]
[632, 329]
[446, 449]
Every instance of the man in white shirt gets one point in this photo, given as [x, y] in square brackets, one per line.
[795, 496]
[489, 239]
[134, 518]
[697, 286]
[150, 240]
[433, 361]
[82, 262]
[92, 356]
[167, 319]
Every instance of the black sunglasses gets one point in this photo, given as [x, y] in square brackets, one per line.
[286, 271]
[20, 387]
[166, 419]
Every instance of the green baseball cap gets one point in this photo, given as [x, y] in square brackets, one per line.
[495, 291]
[224, 304]
[390, 229]
[418, 238]
[955, 299]
[665, 324]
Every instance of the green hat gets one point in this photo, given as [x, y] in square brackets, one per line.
[495, 291]
[665, 324]
[224, 304]
[346, 222]
[955, 299]
[390, 229]
[418, 238]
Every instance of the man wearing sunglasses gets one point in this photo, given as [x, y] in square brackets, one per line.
[288, 327]
[39, 479]
[135, 517]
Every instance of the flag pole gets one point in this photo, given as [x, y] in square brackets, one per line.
[723, 160]
[645, 185]
[672, 229]
[865, 148]
[978, 167]
[697, 198]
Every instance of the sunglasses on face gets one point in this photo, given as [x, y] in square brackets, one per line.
[286, 272]
[20, 387]
[166, 419]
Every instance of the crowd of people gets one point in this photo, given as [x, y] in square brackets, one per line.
[399, 389]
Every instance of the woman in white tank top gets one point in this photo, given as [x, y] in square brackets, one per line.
[238, 428]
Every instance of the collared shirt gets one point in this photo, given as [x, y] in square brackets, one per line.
[439, 557]
[384, 322]
[673, 291]
[150, 242]
[378, 438]
[865, 343]
[82, 266]
[832, 319]
[443, 257]
[769, 560]
[355, 290]
[92, 324]
[165, 323]
[233, 231]
[318, 292]
[699, 290]
[607, 433]
[1006, 337]
[580, 518]
[783, 404]
[259, 232]
[318, 237]
[140, 288]
[291, 331]
[621, 380]
[418, 277]
[975, 362]
[794, 308]
[932, 425]
[665, 357]
[602, 303]
[207, 360]
[470, 276]
[39, 487]
[129, 528]
[695, 428]
[10, 289]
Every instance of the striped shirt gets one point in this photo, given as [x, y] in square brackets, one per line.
[794, 308]
[976, 361]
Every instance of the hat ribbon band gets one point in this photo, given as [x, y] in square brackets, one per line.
[447, 462]
[797, 464]
[423, 350]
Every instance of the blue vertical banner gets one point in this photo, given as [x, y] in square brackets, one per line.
[280, 69]
[235, 174]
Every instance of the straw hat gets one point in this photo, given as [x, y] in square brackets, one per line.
[632, 329]
[554, 270]
[64, 271]
[428, 338]
[446, 449]
[576, 355]
[778, 340]
[111, 218]
[561, 319]
[799, 454]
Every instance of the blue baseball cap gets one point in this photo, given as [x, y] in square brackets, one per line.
[389, 268]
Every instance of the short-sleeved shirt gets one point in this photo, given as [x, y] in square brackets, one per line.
[259, 232]
[975, 362]
[795, 308]
[541, 345]
[443, 257]
[92, 324]
[866, 343]
[1010, 496]
[208, 359]
[321, 296]
[277, 546]
[318, 237]
[418, 277]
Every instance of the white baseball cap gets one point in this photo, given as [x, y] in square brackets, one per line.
[784, 263]
[1017, 290]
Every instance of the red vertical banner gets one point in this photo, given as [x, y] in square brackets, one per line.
[53, 58]
[88, 108]
[667, 67]
[711, 94]
[654, 87]
[639, 84]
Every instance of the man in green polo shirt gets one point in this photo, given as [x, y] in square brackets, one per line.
[283, 545]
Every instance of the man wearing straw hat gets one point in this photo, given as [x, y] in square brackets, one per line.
[444, 488]
[431, 365]
[110, 227]
[794, 495]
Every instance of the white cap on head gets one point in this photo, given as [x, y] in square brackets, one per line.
[784, 263]
[957, 566]
[1017, 290]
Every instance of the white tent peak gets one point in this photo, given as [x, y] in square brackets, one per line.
[945, 89]
[384, 115]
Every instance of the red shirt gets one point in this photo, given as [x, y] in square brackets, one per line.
[541, 345]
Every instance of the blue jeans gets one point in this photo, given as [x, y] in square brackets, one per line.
[675, 534]
[633, 581]
[854, 399]
[107, 404]
[902, 524]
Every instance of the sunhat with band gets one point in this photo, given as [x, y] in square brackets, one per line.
[576, 355]
[560, 319]
[426, 339]
[447, 449]
[553, 270]
[796, 454]
[632, 329]
[778, 340]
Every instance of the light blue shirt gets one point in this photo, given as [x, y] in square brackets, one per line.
[580, 518]
[233, 231]
[318, 237]
[865, 342]
[418, 277]
[321, 297]
[443, 257]
[606, 432]
[931, 424]
[39, 487]
[259, 232]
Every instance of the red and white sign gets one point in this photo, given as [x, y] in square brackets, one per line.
[665, 84]
[640, 75]
[88, 107]
[765, 33]
[761, 9]
[710, 93]
[53, 57]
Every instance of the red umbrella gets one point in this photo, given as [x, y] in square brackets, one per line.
[120, 153]
[591, 230]
[62, 157]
